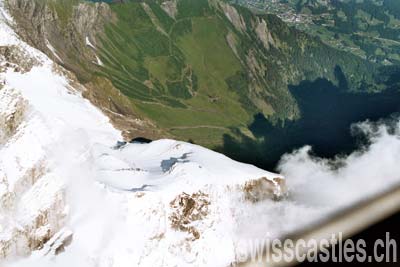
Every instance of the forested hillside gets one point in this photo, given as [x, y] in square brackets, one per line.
[368, 28]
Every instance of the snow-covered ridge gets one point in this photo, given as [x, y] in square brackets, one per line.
[37, 107]
[68, 194]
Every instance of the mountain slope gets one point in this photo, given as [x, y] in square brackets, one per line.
[195, 70]
[70, 193]
[369, 29]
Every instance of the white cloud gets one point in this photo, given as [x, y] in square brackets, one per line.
[334, 183]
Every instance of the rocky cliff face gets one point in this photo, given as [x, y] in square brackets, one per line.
[61, 31]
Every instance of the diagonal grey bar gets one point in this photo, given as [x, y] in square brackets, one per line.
[349, 222]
